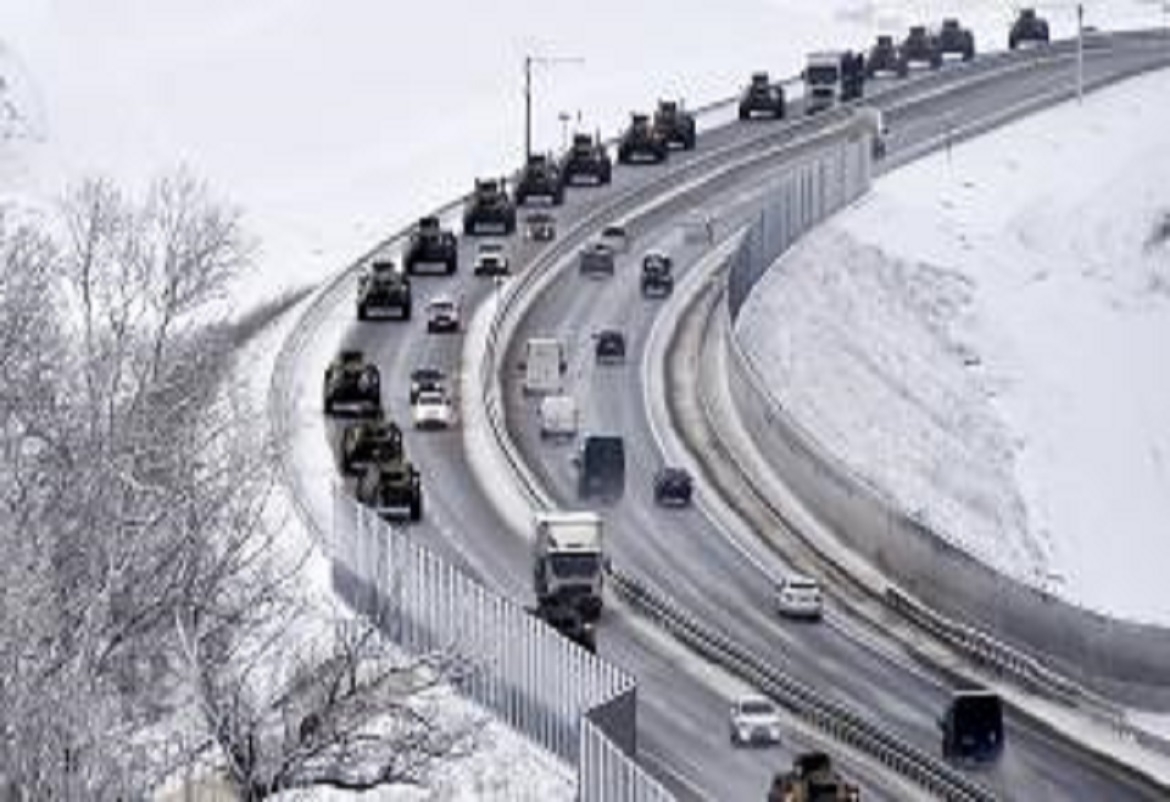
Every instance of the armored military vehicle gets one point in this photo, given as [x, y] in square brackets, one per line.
[352, 385]
[1028, 30]
[955, 40]
[431, 244]
[540, 179]
[761, 98]
[883, 58]
[368, 442]
[586, 162]
[392, 488]
[382, 291]
[641, 143]
[674, 125]
[489, 209]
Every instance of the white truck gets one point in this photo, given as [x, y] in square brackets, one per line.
[568, 561]
[831, 78]
[544, 365]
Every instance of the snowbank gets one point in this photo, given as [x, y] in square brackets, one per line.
[984, 337]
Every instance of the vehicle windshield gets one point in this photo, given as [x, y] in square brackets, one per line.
[431, 397]
[491, 248]
[442, 306]
[576, 566]
[823, 75]
[802, 584]
[757, 707]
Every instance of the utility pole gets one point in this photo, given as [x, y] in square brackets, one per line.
[1080, 52]
[544, 61]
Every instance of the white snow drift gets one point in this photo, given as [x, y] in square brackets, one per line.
[985, 337]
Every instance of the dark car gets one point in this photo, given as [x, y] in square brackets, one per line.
[609, 347]
[1028, 29]
[601, 464]
[761, 98]
[657, 274]
[368, 442]
[383, 290]
[489, 209]
[955, 40]
[540, 227]
[972, 727]
[596, 259]
[641, 142]
[431, 244]
[424, 379]
[352, 385]
[675, 126]
[673, 487]
[883, 58]
[586, 162]
[566, 619]
[541, 178]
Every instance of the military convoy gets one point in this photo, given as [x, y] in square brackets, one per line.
[1028, 30]
[955, 40]
[919, 49]
[812, 778]
[383, 290]
[431, 244]
[352, 385]
[641, 142]
[586, 162]
[541, 178]
[489, 209]
[675, 126]
[392, 488]
[761, 98]
[884, 58]
[368, 442]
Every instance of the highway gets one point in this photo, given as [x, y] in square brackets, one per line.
[682, 702]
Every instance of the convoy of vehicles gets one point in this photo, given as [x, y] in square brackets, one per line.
[368, 442]
[675, 126]
[641, 142]
[761, 98]
[489, 209]
[541, 179]
[568, 561]
[352, 385]
[587, 162]
[919, 49]
[431, 244]
[884, 58]
[392, 488]
[1029, 30]
[382, 291]
[955, 40]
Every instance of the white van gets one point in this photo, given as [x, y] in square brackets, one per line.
[544, 365]
[559, 416]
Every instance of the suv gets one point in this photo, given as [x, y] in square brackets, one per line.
[431, 409]
[392, 488]
[609, 347]
[426, 378]
[798, 597]
[541, 178]
[489, 210]
[352, 384]
[755, 721]
[443, 315]
[595, 259]
[491, 259]
[673, 487]
[382, 289]
[430, 243]
[883, 58]
[586, 161]
[657, 275]
[761, 98]
[367, 442]
[675, 126]
[1028, 29]
[955, 40]
[641, 142]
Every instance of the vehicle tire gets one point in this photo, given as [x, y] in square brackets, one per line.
[362, 314]
[744, 113]
[416, 508]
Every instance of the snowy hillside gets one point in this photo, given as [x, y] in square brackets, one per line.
[986, 336]
[332, 123]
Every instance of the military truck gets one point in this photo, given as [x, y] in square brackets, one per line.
[761, 98]
[392, 488]
[541, 178]
[657, 275]
[489, 209]
[955, 40]
[586, 162]
[674, 125]
[382, 290]
[919, 49]
[812, 779]
[1028, 30]
[972, 726]
[641, 143]
[431, 244]
[367, 442]
[883, 58]
[831, 78]
[568, 561]
[352, 385]
[601, 467]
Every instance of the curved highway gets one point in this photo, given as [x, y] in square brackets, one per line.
[683, 702]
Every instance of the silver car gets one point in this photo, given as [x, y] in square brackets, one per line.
[755, 721]
[799, 596]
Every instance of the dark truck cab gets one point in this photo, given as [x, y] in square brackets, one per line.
[972, 727]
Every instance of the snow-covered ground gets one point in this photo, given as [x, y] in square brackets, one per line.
[332, 124]
[985, 336]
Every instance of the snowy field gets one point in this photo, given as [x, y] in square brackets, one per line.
[985, 336]
[332, 124]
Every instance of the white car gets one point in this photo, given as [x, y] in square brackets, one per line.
[616, 237]
[443, 314]
[431, 410]
[755, 721]
[491, 259]
[798, 597]
[559, 417]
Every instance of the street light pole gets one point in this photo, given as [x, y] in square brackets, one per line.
[1080, 52]
[529, 61]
